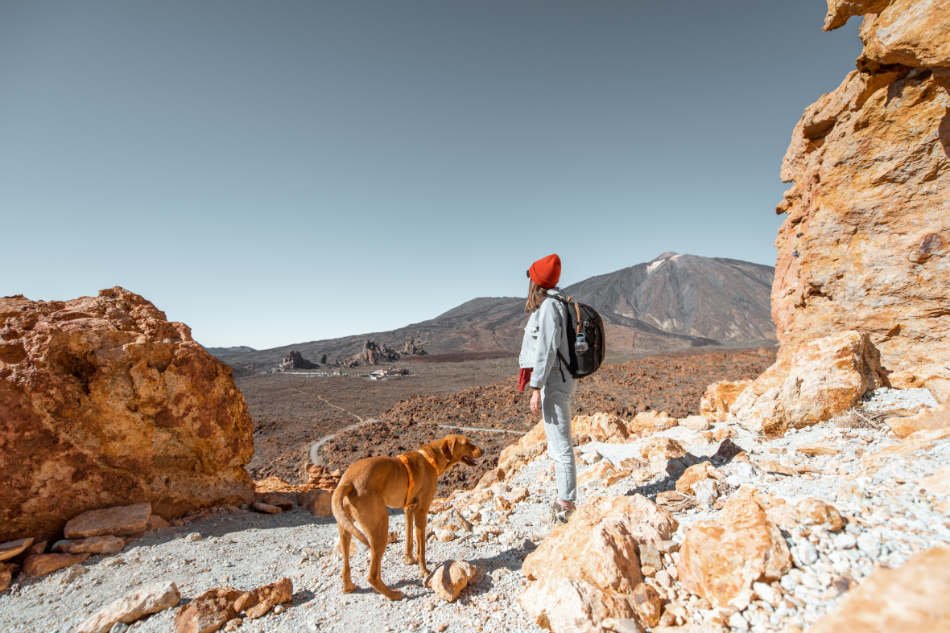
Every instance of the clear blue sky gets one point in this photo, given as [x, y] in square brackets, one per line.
[274, 172]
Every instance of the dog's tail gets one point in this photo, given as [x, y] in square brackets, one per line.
[342, 516]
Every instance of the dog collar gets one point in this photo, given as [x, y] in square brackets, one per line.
[431, 460]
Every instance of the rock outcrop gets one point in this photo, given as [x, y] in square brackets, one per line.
[105, 402]
[295, 360]
[866, 240]
[374, 353]
[821, 379]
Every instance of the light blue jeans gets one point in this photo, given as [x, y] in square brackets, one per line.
[556, 396]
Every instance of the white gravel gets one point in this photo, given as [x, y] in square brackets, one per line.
[885, 399]
[888, 518]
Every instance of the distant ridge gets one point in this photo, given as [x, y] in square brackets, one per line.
[674, 301]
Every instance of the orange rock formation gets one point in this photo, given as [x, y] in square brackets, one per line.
[865, 245]
[104, 402]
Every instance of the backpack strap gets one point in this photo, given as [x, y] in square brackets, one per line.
[572, 363]
[568, 300]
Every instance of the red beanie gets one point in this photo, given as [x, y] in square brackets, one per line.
[546, 271]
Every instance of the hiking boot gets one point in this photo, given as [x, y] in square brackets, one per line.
[560, 514]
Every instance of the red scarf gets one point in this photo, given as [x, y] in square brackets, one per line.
[523, 379]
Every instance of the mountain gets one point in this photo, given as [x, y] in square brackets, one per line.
[723, 300]
[672, 302]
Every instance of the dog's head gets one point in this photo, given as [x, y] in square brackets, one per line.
[458, 448]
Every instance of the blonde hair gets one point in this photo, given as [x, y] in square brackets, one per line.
[536, 296]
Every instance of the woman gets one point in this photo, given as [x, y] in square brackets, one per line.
[552, 386]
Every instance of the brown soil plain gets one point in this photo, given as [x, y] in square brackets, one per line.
[352, 417]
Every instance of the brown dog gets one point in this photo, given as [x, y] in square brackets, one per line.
[408, 481]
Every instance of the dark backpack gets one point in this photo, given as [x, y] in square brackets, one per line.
[584, 325]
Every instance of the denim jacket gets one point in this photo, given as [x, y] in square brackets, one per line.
[544, 336]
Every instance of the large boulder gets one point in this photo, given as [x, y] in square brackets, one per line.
[866, 244]
[721, 558]
[588, 569]
[822, 379]
[911, 599]
[104, 402]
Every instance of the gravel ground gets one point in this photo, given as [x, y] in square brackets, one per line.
[246, 550]
[876, 488]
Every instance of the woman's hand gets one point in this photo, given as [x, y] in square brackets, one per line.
[535, 401]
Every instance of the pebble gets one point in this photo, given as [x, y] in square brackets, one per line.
[737, 622]
[840, 563]
[766, 593]
[804, 554]
[811, 581]
[789, 581]
[869, 543]
[756, 618]
[845, 541]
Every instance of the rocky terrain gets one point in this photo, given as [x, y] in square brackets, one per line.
[676, 301]
[103, 401]
[812, 497]
[684, 525]
[496, 413]
[293, 411]
[350, 416]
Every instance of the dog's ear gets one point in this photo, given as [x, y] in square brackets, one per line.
[448, 448]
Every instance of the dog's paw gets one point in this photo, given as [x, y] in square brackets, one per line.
[349, 587]
[395, 595]
[409, 560]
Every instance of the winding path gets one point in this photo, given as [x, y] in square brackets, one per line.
[314, 452]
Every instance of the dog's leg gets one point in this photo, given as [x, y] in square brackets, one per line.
[345, 540]
[409, 512]
[420, 528]
[378, 539]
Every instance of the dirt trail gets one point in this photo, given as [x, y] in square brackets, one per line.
[478, 429]
[339, 408]
[314, 450]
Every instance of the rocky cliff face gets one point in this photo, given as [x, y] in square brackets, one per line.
[104, 402]
[865, 242]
